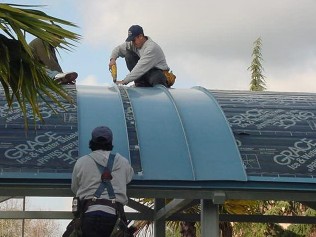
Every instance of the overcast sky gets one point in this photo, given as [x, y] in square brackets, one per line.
[206, 43]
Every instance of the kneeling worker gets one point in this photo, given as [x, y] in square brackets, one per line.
[144, 59]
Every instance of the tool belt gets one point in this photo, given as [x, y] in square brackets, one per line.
[104, 202]
[171, 78]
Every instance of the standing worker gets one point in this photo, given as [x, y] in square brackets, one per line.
[100, 210]
[144, 59]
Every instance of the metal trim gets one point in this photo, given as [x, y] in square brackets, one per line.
[131, 129]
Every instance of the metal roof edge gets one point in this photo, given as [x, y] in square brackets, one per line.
[235, 147]
[225, 185]
[282, 179]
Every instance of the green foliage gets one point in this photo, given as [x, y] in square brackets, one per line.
[240, 207]
[172, 233]
[262, 230]
[249, 229]
[304, 229]
[257, 78]
[22, 77]
[176, 232]
[272, 229]
[241, 229]
[300, 230]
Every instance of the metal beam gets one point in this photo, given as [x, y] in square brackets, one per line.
[171, 208]
[36, 190]
[35, 215]
[5, 198]
[174, 217]
[229, 194]
[48, 190]
[268, 219]
[140, 207]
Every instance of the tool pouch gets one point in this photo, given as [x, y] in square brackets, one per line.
[76, 206]
[171, 78]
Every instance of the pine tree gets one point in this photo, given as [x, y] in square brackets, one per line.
[257, 78]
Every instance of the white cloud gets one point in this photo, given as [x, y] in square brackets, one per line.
[301, 82]
[91, 80]
[210, 42]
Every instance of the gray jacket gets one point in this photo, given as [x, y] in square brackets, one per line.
[86, 176]
[150, 54]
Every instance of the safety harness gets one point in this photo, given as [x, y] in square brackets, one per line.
[106, 178]
[121, 227]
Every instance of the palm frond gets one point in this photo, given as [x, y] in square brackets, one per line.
[23, 78]
[240, 206]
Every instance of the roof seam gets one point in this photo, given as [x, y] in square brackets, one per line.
[167, 92]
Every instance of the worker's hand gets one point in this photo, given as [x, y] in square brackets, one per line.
[120, 82]
[112, 62]
[113, 71]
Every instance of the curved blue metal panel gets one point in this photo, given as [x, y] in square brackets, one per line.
[182, 134]
[161, 140]
[101, 106]
[223, 146]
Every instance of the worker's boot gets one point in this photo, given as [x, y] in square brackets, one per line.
[66, 78]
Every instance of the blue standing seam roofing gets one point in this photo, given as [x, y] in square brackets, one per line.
[183, 134]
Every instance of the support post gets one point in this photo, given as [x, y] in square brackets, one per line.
[159, 225]
[23, 220]
[209, 219]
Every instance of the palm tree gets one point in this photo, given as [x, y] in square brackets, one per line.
[22, 77]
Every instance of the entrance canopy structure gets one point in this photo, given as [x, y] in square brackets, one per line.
[184, 144]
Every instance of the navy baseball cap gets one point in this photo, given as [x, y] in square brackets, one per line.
[102, 132]
[133, 31]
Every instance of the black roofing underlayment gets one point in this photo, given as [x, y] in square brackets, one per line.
[50, 146]
[275, 132]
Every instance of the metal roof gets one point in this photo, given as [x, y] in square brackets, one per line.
[182, 134]
[176, 139]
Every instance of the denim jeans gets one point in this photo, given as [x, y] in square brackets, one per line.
[151, 78]
[51, 73]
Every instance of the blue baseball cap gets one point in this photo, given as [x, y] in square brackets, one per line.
[133, 31]
[102, 132]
